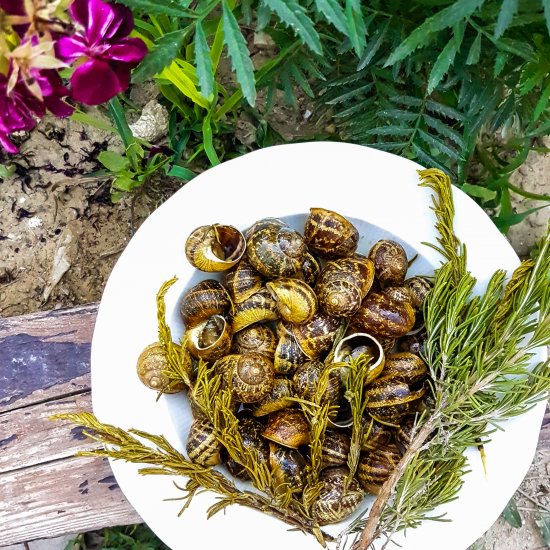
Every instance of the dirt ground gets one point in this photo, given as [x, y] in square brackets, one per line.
[60, 236]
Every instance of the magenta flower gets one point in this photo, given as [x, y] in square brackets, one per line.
[103, 48]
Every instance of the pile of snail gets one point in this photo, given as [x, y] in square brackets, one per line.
[269, 326]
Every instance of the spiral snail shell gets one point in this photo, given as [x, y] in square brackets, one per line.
[310, 270]
[335, 449]
[375, 467]
[419, 288]
[150, 366]
[278, 398]
[252, 377]
[288, 468]
[258, 338]
[288, 354]
[202, 445]
[375, 435]
[257, 308]
[306, 379]
[209, 340]
[287, 427]
[296, 300]
[205, 299]
[251, 434]
[317, 335]
[390, 262]
[215, 247]
[405, 366]
[242, 281]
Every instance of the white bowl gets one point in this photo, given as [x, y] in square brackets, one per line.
[379, 192]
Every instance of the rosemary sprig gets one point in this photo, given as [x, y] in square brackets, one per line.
[479, 351]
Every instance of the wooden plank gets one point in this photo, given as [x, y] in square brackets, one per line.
[45, 355]
[64, 496]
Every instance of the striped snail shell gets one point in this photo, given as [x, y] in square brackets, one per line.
[209, 340]
[335, 449]
[405, 366]
[343, 284]
[419, 287]
[376, 467]
[296, 300]
[306, 379]
[252, 377]
[205, 299]
[310, 270]
[278, 398]
[251, 434]
[150, 366]
[287, 427]
[329, 234]
[242, 281]
[288, 354]
[259, 338]
[413, 343]
[257, 308]
[405, 432]
[390, 262]
[316, 336]
[336, 502]
[215, 247]
[374, 434]
[275, 250]
[288, 468]
[202, 445]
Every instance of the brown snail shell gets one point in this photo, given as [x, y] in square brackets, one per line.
[419, 287]
[390, 400]
[252, 377]
[310, 270]
[209, 340]
[343, 284]
[288, 427]
[278, 398]
[413, 343]
[202, 445]
[357, 344]
[215, 247]
[275, 250]
[382, 315]
[306, 379]
[375, 435]
[288, 354]
[335, 502]
[242, 281]
[287, 468]
[390, 262]
[258, 338]
[296, 300]
[405, 432]
[257, 308]
[150, 366]
[316, 336]
[405, 366]
[329, 234]
[251, 434]
[335, 449]
[376, 467]
[205, 299]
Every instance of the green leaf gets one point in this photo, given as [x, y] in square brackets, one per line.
[238, 51]
[113, 161]
[479, 192]
[7, 170]
[546, 6]
[447, 56]
[301, 80]
[125, 183]
[500, 61]
[542, 103]
[246, 6]
[208, 141]
[165, 51]
[511, 515]
[507, 11]
[443, 19]
[543, 523]
[436, 143]
[357, 31]
[517, 47]
[263, 16]
[503, 222]
[293, 15]
[444, 130]
[475, 50]
[445, 110]
[373, 45]
[181, 172]
[153, 7]
[388, 131]
[203, 62]
[333, 13]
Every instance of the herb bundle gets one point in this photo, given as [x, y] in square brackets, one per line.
[478, 351]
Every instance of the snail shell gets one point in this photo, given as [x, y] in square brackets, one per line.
[405, 432]
[215, 247]
[306, 378]
[334, 503]
[413, 343]
[335, 449]
[376, 467]
[375, 435]
[202, 446]
[383, 315]
[257, 308]
[252, 377]
[405, 366]
[390, 262]
[242, 281]
[329, 234]
[419, 287]
[278, 398]
[210, 340]
[275, 250]
[316, 336]
[205, 299]
[288, 427]
[287, 468]
[288, 354]
[296, 300]
[258, 338]
[357, 344]
[343, 284]
[150, 366]
[251, 434]
[310, 270]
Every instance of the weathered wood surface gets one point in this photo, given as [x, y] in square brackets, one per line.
[45, 490]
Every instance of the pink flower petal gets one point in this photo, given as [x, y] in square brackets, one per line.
[79, 12]
[70, 48]
[94, 82]
[13, 7]
[100, 18]
[129, 50]
[122, 71]
[125, 23]
[6, 143]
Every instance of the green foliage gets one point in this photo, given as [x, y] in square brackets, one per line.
[511, 514]
[130, 537]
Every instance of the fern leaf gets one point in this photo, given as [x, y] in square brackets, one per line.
[389, 131]
[426, 158]
[475, 51]
[423, 34]
[203, 62]
[349, 95]
[353, 110]
[516, 47]
[288, 93]
[447, 56]
[444, 130]
[445, 110]
[542, 103]
[505, 16]
[164, 52]
[398, 114]
[373, 46]
[390, 145]
[153, 7]
[356, 29]
[333, 13]
[546, 6]
[301, 80]
[293, 15]
[437, 144]
[407, 100]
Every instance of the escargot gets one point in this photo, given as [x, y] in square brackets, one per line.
[258, 338]
[374, 434]
[288, 468]
[251, 377]
[287, 427]
[288, 354]
[215, 247]
[390, 262]
[151, 365]
[317, 335]
[205, 299]
[418, 287]
[335, 448]
[202, 445]
[375, 467]
[251, 434]
[306, 381]
[257, 308]
[361, 344]
[209, 340]
[405, 366]
[296, 300]
[278, 398]
[242, 281]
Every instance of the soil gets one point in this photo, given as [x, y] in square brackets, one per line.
[60, 236]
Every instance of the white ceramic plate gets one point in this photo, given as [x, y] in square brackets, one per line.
[380, 193]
